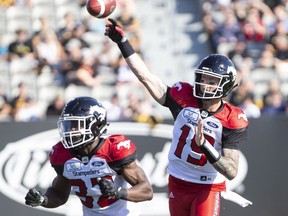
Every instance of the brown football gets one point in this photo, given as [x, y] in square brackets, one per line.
[100, 8]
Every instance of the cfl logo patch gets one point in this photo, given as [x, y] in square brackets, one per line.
[191, 116]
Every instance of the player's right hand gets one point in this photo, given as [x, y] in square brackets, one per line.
[35, 198]
[199, 136]
[114, 31]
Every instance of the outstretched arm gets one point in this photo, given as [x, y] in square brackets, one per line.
[156, 87]
[153, 83]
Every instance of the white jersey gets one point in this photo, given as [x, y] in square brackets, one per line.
[184, 153]
[186, 160]
[83, 173]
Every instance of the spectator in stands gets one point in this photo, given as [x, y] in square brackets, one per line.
[209, 23]
[266, 58]
[130, 23]
[279, 40]
[44, 28]
[56, 106]
[22, 47]
[242, 60]
[273, 99]
[249, 107]
[77, 33]
[132, 110]
[253, 26]
[280, 43]
[137, 109]
[280, 25]
[273, 104]
[23, 105]
[72, 61]
[20, 99]
[28, 112]
[87, 73]
[108, 57]
[114, 109]
[227, 34]
[5, 107]
[65, 32]
[238, 95]
[50, 51]
[123, 74]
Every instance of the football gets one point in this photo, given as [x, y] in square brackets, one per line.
[100, 8]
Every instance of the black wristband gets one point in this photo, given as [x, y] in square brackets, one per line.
[126, 49]
[210, 152]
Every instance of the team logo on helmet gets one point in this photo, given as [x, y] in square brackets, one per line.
[100, 111]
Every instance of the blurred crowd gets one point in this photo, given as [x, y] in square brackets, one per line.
[53, 50]
[254, 34]
[53, 58]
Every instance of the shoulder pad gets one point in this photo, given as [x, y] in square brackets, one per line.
[59, 155]
[233, 117]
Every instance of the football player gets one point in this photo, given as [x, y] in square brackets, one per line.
[100, 169]
[207, 130]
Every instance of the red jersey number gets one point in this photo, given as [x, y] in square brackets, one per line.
[103, 201]
[182, 142]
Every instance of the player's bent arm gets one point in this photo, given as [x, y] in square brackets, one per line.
[58, 193]
[156, 87]
[141, 189]
[227, 165]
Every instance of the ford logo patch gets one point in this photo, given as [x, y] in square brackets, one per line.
[212, 124]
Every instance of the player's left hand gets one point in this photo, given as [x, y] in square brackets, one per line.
[109, 189]
[199, 136]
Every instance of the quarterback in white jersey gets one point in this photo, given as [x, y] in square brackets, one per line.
[94, 167]
[222, 129]
[207, 130]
